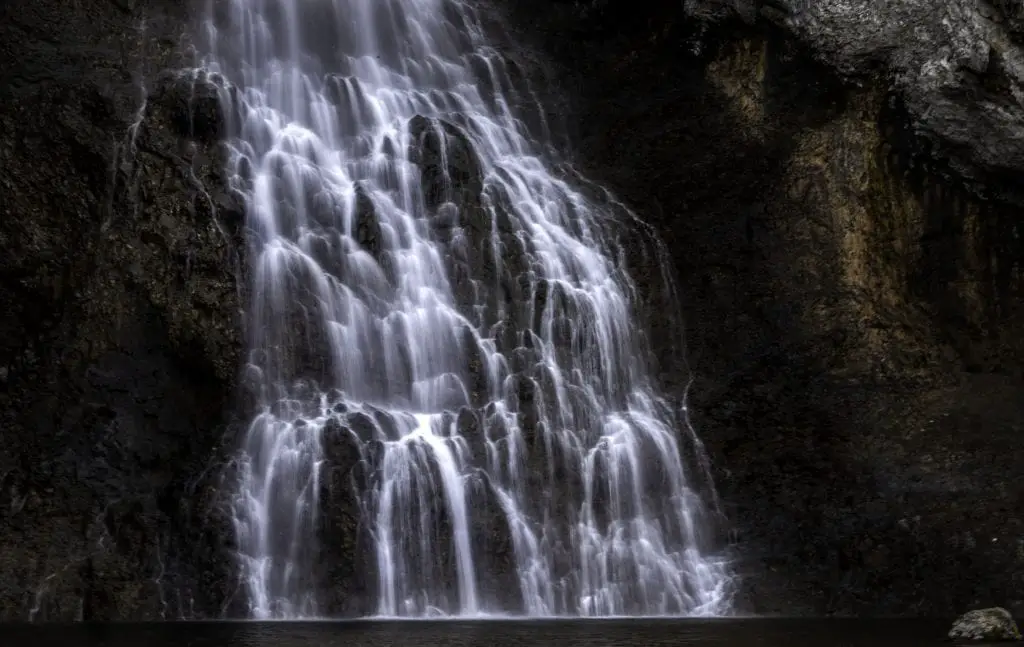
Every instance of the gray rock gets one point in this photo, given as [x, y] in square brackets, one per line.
[958, 66]
[985, 625]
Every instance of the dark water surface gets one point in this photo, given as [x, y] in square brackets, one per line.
[489, 633]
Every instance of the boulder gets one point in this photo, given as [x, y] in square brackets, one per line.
[994, 624]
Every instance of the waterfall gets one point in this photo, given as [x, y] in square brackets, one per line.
[429, 286]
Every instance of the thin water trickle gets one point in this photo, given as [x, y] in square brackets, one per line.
[424, 280]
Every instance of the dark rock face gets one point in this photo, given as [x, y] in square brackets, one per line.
[347, 585]
[119, 340]
[850, 252]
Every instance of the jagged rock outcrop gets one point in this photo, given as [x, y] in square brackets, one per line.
[957, 65]
[835, 184]
[118, 317]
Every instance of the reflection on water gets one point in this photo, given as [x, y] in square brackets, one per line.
[491, 633]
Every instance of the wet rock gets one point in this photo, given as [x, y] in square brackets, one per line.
[464, 286]
[387, 423]
[505, 336]
[449, 168]
[364, 425]
[563, 331]
[367, 224]
[468, 424]
[342, 581]
[507, 222]
[193, 102]
[341, 447]
[445, 219]
[494, 550]
[528, 404]
[329, 251]
[523, 359]
[985, 625]
[476, 366]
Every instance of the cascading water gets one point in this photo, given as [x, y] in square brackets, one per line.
[425, 282]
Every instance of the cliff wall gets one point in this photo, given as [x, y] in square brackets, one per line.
[119, 328]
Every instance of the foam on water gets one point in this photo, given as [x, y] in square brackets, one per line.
[425, 282]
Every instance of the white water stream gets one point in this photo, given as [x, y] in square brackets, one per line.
[422, 279]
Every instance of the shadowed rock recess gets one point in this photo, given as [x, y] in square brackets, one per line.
[838, 183]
